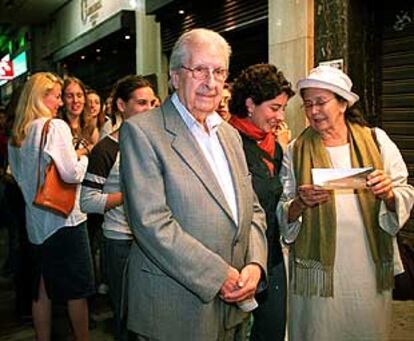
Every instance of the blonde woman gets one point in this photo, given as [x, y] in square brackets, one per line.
[62, 266]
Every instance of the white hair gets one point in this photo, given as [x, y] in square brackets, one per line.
[198, 36]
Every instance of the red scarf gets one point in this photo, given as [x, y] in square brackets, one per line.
[265, 141]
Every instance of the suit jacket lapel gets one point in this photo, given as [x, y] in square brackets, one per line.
[234, 162]
[186, 146]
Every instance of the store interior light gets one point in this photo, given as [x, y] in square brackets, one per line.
[181, 11]
[127, 37]
[83, 57]
[22, 42]
[98, 50]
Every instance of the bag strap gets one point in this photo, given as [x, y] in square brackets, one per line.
[42, 144]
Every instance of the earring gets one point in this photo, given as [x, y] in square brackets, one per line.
[249, 114]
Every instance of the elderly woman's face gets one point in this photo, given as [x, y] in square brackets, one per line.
[323, 110]
[269, 114]
[200, 90]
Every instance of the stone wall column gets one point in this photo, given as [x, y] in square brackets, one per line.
[347, 29]
[148, 47]
[291, 41]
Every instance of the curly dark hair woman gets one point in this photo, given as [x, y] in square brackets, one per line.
[259, 98]
[260, 82]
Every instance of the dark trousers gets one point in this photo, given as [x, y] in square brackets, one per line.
[238, 333]
[117, 252]
[12, 214]
[270, 317]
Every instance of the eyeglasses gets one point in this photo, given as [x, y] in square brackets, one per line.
[308, 105]
[202, 72]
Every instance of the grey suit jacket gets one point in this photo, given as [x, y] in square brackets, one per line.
[185, 236]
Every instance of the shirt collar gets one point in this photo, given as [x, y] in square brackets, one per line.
[213, 120]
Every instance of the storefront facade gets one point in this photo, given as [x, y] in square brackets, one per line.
[99, 42]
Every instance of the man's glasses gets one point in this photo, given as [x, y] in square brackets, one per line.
[203, 72]
[308, 105]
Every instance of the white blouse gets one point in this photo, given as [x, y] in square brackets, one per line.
[40, 223]
[356, 311]
[390, 222]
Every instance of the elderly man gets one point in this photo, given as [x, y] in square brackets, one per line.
[200, 246]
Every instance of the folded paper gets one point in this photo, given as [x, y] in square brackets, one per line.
[341, 178]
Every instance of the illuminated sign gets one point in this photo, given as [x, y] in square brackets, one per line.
[6, 68]
[20, 64]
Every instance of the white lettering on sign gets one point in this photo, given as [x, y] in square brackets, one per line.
[402, 20]
[90, 11]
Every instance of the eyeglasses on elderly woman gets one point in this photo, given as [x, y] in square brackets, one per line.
[308, 105]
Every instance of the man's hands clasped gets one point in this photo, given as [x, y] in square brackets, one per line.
[240, 285]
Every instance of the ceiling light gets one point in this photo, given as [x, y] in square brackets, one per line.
[83, 57]
[127, 37]
[181, 11]
[98, 50]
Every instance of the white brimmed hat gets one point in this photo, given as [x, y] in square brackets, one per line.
[330, 78]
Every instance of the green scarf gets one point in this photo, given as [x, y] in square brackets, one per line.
[314, 248]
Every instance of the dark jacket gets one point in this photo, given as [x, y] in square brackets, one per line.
[268, 189]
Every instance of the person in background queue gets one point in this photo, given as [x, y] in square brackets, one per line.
[76, 113]
[223, 108]
[96, 106]
[101, 190]
[97, 120]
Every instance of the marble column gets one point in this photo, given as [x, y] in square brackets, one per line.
[148, 48]
[291, 37]
[346, 29]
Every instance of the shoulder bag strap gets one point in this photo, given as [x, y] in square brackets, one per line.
[41, 147]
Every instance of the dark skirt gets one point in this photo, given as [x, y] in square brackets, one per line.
[64, 260]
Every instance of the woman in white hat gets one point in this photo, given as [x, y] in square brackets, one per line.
[343, 255]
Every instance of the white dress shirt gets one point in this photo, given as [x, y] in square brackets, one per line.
[212, 150]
